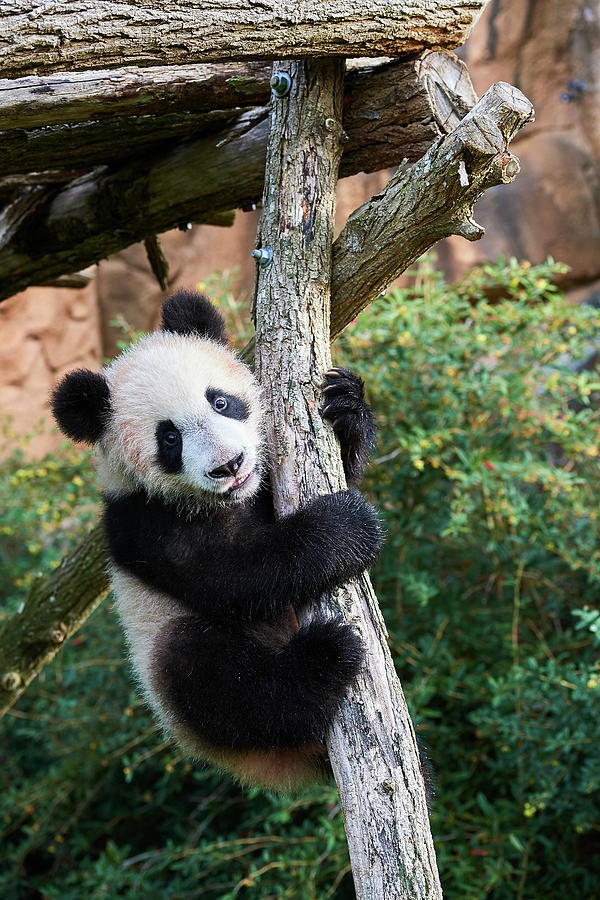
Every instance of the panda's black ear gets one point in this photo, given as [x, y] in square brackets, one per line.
[81, 405]
[188, 312]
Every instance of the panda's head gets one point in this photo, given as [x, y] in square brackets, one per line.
[177, 413]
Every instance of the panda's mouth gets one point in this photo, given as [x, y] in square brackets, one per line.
[239, 481]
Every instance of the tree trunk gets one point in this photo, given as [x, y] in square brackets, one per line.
[86, 34]
[391, 112]
[372, 745]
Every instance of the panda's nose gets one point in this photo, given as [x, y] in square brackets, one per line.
[230, 468]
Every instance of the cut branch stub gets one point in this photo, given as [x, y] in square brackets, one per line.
[426, 203]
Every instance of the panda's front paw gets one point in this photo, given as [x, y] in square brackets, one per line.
[351, 419]
[350, 529]
[344, 396]
[364, 536]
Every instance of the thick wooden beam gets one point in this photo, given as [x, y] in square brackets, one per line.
[71, 98]
[392, 112]
[48, 37]
[83, 119]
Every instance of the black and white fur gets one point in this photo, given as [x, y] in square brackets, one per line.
[207, 582]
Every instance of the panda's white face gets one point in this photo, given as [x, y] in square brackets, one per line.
[186, 422]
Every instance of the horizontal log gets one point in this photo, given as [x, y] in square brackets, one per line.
[392, 112]
[74, 97]
[87, 144]
[84, 34]
[87, 121]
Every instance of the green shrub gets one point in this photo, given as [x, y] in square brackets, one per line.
[47, 504]
[487, 475]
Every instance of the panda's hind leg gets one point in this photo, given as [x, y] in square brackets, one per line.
[233, 690]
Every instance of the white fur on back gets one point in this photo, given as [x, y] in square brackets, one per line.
[143, 613]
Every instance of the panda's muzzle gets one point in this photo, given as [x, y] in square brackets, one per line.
[230, 468]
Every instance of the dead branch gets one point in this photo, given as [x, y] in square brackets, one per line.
[427, 203]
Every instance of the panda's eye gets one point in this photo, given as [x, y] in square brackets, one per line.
[228, 405]
[170, 446]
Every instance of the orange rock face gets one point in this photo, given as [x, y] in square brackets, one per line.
[46, 332]
[551, 52]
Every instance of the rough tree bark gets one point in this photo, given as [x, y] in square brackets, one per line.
[499, 114]
[372, 745]
[85, 34]
[391, 112]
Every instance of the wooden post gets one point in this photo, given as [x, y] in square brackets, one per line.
[372, 744]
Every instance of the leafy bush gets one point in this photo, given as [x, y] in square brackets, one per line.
[47, 504]
[487, 474]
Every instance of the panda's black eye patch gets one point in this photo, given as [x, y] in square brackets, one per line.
[170, 445]
[227, 405]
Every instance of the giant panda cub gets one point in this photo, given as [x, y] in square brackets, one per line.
[207, 581]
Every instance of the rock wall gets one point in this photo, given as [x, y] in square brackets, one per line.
[45, 333]
[549, 48]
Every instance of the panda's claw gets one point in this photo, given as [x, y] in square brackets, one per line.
[350, 417]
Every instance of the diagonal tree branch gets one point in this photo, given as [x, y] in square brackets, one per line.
[85, 34]
[494, 120]
[56, 606]
[427, 203]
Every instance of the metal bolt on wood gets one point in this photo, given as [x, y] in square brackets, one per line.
[264, 256]
[280, 85]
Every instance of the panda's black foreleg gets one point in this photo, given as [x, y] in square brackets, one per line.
[234, 690]
[351, 418]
